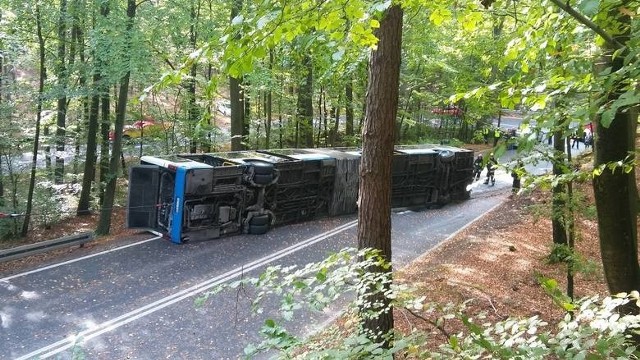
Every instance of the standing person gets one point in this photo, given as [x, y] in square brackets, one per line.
[575, 140]
[516, 174]
[588, 138]
[497, 134]
[485, 134]
[477, 167]
[492, 164]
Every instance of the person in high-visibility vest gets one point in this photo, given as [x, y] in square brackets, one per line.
[485, 134]
[497, 134]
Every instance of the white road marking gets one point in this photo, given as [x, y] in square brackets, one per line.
[75, 260]
[143, 311]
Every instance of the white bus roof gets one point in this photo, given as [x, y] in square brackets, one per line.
[174, 161]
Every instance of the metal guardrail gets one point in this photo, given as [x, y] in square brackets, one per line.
[38, 248]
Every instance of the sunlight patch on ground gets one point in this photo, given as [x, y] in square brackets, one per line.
[29, 295]
[489, 256]
[89, 324]
[5, 319]
[523, 264]
[36, 316]
[466, 271]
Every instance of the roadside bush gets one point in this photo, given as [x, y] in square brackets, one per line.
[593, 330]
[47, 204]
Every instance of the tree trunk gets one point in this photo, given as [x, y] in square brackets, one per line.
[374, 215]
[91, 156]
[1, 99]
[235, 97]
[615, 190]
[268, 106]
[193, 115]
[76, 34]
[348, 94]
[105, 121]
[559, 192]
[105, 126]
[305, 103]
[325, 120]
[321, 116]
[570, 231]
[36, 140]
[104, 223]
[61, 118]
[280, 126]
[92, 113]
[333, 136]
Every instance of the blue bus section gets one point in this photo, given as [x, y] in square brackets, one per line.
[206, 196]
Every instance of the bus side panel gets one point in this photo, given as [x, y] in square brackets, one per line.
[143, 197]
[178, 206]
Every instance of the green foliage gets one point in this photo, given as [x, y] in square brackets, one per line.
[563, 254]
[47, 204]
[594, 327]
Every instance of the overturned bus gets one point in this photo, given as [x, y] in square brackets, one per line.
[206, 196]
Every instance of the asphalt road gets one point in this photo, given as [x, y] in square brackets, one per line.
[137, 302]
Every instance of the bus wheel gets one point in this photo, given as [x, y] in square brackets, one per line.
[260, 220]
[261, 179]
[258, 229]
[262, 167]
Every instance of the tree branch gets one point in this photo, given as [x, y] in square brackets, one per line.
[440, 328]
[588, 23]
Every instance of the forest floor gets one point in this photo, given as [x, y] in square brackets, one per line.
[494, 263]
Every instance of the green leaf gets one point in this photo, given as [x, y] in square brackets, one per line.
[299, 284]
[540, 103]
[322, 274]
[627, 99]
[470, 21]
[453, 342]
[237, 20]
[588, 7]
[440, 15]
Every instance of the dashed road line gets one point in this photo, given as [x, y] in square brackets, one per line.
[159, 304]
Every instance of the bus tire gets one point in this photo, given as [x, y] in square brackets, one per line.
[262, 167]
[260, 220]
[261, 179]
[258, 229]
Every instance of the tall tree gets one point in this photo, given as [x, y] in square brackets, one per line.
[2, 56]
[304, 109]
[100, 89]
[348, 96]
[559, 189]
[36, 140]
[374, 215]
[615, 189]
[615, 120]
[268, 106]
[192, 109]
[106, 210]
[61, 73]
[236, 97]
